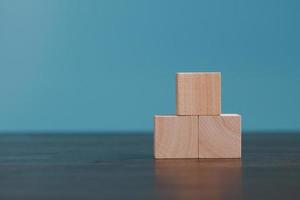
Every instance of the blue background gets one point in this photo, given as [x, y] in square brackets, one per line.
[110, 65]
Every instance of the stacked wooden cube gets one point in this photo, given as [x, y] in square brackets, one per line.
[198, 130]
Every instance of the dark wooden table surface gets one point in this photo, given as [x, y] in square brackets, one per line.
[121, 166]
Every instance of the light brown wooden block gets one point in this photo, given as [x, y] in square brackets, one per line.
[175, 136]
[198, 93]
[220, 136]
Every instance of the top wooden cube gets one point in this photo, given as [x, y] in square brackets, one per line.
[198, 93]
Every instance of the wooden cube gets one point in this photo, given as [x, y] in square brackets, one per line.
[175, 136]
[198, 93]
[220, 136]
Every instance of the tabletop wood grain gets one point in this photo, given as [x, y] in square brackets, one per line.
[121, 166]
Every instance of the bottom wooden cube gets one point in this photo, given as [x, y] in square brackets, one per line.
[175, 136]
[220, 136]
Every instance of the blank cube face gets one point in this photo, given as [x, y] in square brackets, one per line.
[198, 93]
[220, 136]
[176, 137]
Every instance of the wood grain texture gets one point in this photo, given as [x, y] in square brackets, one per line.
[198, 93]
[220, 136]
[175, 136]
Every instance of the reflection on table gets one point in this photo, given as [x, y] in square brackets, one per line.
[198, 179]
